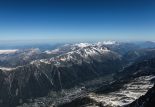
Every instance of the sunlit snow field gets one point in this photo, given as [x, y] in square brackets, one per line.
[129, 93]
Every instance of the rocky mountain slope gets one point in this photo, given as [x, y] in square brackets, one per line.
[61, 72]
[147, 100]
[100, 74]
[129, 85]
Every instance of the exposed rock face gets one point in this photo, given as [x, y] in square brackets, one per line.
[128, 93]
[148, 100]
[22, 57]
[131, 83]
[37, 79]
[73, 65]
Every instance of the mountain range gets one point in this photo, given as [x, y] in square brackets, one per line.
[107, 73]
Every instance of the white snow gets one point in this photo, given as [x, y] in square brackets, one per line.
[52, 51]
[8, 51]
[30, 52]
[6, 68]
[85, 51]
[127, 94]
[33, 51]
[76, 52]
[82, 45]
[44, 61]
[48, 52]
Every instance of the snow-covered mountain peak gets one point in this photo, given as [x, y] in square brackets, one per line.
[82, 45]
[73, 47]
[79, 55]
[84, 52]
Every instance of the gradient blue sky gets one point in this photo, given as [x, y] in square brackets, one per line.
[77, 20]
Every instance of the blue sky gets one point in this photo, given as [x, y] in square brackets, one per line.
[77, 20]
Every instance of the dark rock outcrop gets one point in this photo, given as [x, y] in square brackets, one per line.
[36, 80]
[148, 100]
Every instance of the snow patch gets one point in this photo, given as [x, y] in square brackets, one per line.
[129, 93]
[8, 51]
[82, 45]
[52, 51]
[6, 68]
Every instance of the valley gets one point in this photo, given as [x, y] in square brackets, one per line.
[109, 74]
